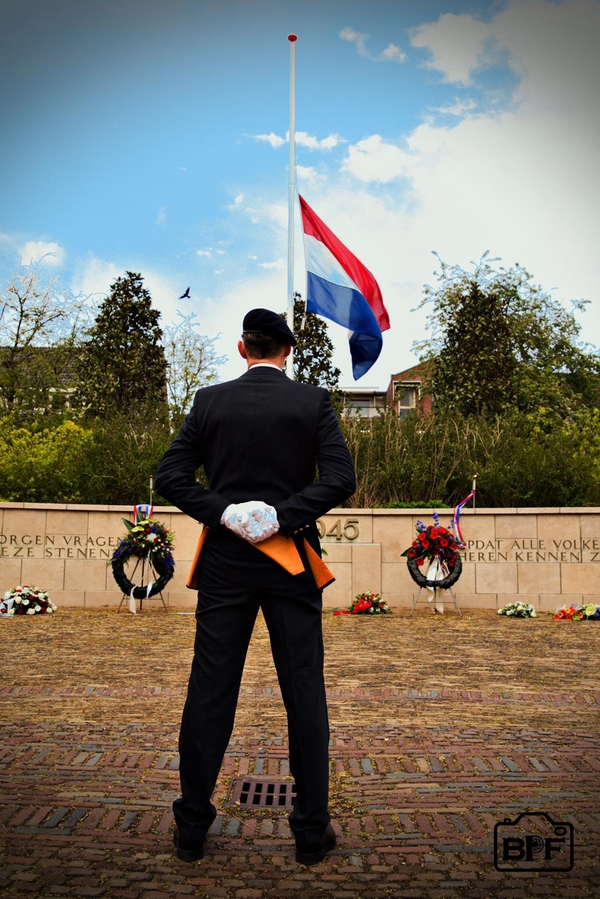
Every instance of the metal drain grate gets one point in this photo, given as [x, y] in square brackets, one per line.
[253, 792]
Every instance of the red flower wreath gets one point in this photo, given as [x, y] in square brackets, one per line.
[431, 543]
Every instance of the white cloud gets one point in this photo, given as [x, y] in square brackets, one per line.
[392, 53]
[9, 251]
[278, 264]
[312, 143]
[302, 139]
[457, 44]
[207, 252]
[239, 205]
[223, 314]
[307, 173]
[263, 211]
[355, 37]
[38, 251]
[165, 292]
[273, 139]
[276, 213]
[458, 108]
[553, 47]
[162, 216]
[94, 276]
[372, 159]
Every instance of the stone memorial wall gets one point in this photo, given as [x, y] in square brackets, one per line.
[544, 556]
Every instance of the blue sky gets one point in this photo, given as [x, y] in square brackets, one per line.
[150, 135]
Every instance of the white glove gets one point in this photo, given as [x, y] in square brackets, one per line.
[254, 520]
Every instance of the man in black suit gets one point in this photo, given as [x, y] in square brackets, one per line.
[260, 440]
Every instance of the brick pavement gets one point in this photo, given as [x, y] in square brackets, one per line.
[442, 727]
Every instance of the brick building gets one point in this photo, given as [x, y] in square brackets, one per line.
[405, 393]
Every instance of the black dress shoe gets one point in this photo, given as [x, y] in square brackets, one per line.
[187, 850]
[313, 853]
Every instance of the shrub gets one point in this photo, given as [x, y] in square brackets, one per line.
[47, 465]
[536, 459]
[105, 462]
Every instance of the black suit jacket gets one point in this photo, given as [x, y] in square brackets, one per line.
[264, 437]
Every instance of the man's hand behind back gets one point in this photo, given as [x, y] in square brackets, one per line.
[254, 520]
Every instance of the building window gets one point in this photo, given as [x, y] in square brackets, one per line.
[407, 393]
[366, 404]
[356, 406]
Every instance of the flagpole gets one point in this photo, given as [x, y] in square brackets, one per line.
[292, 38]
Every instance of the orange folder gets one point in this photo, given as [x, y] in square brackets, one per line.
[282, 550]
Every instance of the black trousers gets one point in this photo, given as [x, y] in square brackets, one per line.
[235, 581]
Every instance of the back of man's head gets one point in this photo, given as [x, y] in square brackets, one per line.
[263, 346]
[266, 334]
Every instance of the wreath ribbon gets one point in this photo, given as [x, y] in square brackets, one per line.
[444, 584]
[456, 518]
[149, 589]
[143, 511]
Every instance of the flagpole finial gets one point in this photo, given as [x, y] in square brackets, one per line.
[292, 37]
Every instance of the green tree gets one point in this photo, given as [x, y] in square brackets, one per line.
[192, 363]
[46, 465]
[314, 350]
[122, 366]
[500, 342]
[124, 453]
[40, 324]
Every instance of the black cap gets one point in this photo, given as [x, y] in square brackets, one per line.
[263, 321]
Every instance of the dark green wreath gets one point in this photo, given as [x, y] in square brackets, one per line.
[148, 540]
[444, 584]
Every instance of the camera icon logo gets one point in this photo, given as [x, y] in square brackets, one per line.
[533, 842]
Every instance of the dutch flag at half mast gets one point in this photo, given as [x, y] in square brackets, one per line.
[340, 288]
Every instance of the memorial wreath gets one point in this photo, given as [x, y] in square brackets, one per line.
[434, 543]
[148, 540]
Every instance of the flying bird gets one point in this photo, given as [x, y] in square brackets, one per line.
[186, 295]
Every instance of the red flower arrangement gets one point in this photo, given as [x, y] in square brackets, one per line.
[434, 542]
[588, 612]
[366, 604]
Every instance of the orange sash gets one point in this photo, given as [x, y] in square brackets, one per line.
[279, 548]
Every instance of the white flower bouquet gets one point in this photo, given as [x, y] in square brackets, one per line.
[518, 610]
[26, 600]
